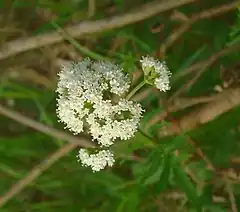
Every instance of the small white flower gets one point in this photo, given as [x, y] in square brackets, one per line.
[96, 161]
[156, 71]
[67, 115]
[119, 82]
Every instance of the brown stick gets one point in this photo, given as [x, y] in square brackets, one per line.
[89, 27]
[35, 172]
[213, 12]
[44, 128]
[225, 101]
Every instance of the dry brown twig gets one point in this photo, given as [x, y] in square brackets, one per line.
[178, 104]
[36, 172]
[224, 102]
[210, 13]
[89, 27]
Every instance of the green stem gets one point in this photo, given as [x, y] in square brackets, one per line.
[134, 90]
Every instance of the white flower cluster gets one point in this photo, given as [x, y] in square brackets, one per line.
[86, 90]
[161, 72]
[96, 161]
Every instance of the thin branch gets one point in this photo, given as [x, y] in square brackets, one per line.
[210, 13]
[89, 27]
[44, 128]
[35, 172]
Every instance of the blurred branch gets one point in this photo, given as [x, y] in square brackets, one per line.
[224, 102]
[44, 128]
[36, 171]
[90, 27]
[204, 68]
[210, 13]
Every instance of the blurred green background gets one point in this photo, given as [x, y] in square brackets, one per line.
[186, 156]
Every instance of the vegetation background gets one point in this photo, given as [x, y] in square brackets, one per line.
[187, 159]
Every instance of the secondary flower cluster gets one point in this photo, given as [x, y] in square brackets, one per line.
[86, 91]
[156, 72]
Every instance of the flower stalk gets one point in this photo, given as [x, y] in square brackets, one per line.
[135, 90]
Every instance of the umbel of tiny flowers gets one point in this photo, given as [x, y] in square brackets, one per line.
[96, 161]
[86, 90]
[85, 103]
[156, 73]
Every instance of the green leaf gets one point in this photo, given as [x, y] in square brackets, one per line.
[176, 143]
[155, 168]
[206, 195]
[149, 115]
[184, 182]
[129, 146]
[165, 175]
[129, 202]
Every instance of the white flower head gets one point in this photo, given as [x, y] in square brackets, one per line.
[83, 84]
[96, 161]
[156, 72]
[85, 103]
